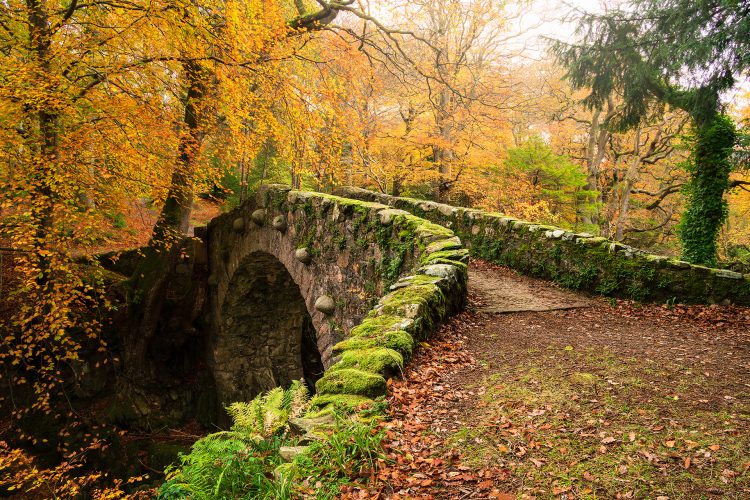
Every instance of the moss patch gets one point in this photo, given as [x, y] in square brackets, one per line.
[351, 381]
[398, 341]
[375, 360]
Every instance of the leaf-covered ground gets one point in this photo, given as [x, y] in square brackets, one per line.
[602, 401]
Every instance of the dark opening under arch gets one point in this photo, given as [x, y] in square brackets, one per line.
[267, 337]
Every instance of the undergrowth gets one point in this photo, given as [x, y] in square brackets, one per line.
[245, 462]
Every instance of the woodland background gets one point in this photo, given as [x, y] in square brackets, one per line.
[128, 122]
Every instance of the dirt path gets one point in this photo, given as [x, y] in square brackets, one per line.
[501, 290]
[573, 398]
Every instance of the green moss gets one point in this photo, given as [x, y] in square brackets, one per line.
[446, 244]
[323, 404]
[351, 381]
[458, 255]
[374, 360]
[375, 324]
[422, 296]
[399, 341]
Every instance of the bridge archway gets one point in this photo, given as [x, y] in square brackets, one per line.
[267, 334]
[262, 239]
[283, 252]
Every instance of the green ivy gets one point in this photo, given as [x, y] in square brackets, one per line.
[707, 209]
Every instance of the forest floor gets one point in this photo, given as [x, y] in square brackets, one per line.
[537, 392]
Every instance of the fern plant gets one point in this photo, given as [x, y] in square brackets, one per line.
[239, 463]
[268, 413]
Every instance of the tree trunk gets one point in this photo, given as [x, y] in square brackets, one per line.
[149, 281]
[443, 156]
[595, 151]
[45, 146]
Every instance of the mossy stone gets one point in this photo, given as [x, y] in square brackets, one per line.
[279, 223]
[323, 404]
[399, 341]
[258, 216]
[325, 304]
[238, 225]
[351, 381]
[303, 255]
[380, 360]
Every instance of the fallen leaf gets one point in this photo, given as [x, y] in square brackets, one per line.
[714, 447]
[687, 463]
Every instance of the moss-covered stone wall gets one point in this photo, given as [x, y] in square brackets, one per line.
[375, 280]
[576, 260]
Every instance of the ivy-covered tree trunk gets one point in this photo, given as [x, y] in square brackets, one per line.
[709, 180]
[149, 280]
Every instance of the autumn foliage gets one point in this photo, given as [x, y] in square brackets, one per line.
[116, 114]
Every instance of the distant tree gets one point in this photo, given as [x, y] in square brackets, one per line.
[680, 53]
[551, 178]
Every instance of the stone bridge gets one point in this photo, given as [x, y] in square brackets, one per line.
[330, 289]
[338, 289]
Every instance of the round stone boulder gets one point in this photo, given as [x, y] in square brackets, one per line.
[279, 223]
[303, 255]
[325, 304]
[238, 225]
[259, 216]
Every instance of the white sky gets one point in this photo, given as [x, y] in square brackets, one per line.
[546, 18]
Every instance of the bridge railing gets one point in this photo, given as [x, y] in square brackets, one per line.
[576, 260]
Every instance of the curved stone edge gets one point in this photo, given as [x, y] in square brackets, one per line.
[430, 287]
[576, 260]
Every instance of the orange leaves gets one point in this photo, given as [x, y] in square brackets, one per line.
[22, 474]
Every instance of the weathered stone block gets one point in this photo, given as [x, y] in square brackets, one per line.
[352, 381]
[303, 255]
[238, 225]
[279, 223]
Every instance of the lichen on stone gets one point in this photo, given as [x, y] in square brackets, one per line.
[381, 360]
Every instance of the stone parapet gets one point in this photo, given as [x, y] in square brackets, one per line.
[576, 260]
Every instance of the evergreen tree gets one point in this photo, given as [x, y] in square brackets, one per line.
[677, 53]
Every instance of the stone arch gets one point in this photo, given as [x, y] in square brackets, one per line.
[267, 335]
[338, 268]
[350, 253]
